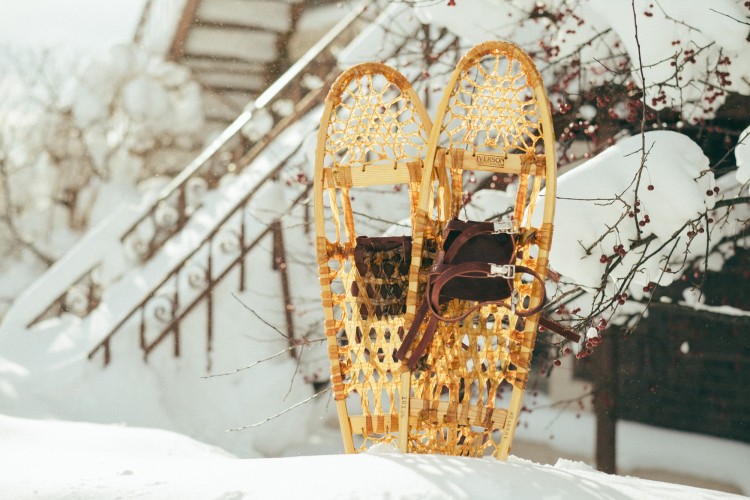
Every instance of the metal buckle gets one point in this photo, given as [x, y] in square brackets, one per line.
[507, 271]
[507, 225]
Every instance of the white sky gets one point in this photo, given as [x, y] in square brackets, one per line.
[75, 23]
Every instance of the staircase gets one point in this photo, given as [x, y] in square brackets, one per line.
[235, 48]
[138, 235]
[211, 228]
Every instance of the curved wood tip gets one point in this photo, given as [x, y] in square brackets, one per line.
[365, 69]
[510, 51]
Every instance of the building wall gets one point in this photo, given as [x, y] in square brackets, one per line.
[683, 368]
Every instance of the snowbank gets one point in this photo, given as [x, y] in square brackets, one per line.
[672, 189]
[75, 460]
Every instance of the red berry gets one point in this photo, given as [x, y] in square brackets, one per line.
[650, 187]
[557, 362]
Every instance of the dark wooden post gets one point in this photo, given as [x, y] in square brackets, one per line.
[279, 264]
[606, 368]
[186, 21]
[210, 306]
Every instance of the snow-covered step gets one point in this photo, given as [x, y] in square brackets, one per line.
[226, 106]
[232, 81]
[235, 46]
[236, 43]
[229, 65]
[258, 14]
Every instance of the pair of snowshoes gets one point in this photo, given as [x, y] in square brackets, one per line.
[382, 165]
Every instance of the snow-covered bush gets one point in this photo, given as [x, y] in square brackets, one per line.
[77, 135]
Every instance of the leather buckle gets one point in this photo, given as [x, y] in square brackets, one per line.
[506, 225]
[507, 271]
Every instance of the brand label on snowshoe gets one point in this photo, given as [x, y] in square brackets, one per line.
[490, 160]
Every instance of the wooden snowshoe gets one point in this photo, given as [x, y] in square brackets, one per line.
[494, 119]
[368, 169]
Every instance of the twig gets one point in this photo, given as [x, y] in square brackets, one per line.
[286, 336]
[378, 219]
[732, 201]
[254, 363]
[298, 360]
[730, 17]
[651, 298]
[287, 410]
[643, 117]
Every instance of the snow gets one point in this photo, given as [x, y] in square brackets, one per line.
[474, 25]
[78, 460]
[724, 310]
[674, 166]
[374, 42]
[117, 117]
[90, 251]
[161, 25]
[693, 24]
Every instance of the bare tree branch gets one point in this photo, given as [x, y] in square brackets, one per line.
[282, 412]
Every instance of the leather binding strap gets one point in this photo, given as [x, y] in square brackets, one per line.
[446, 270]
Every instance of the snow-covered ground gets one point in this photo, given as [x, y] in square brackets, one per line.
[61, 460]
